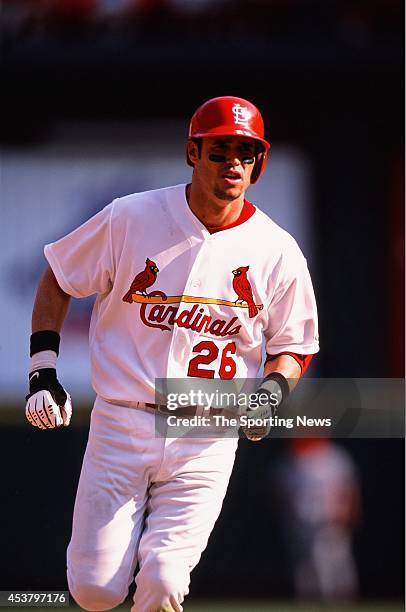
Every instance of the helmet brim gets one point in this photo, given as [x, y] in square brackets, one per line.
[231, 131]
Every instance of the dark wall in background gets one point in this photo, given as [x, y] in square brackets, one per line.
[245, 556]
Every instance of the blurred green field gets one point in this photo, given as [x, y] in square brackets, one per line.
[257, 606]
[288, 607]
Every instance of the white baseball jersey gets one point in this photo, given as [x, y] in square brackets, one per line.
[195, 304]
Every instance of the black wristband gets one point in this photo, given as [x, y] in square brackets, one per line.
[44, 341]
[282, 382]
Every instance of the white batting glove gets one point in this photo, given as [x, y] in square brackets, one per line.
[48, 404]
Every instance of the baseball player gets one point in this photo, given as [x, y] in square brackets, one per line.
[190, 280]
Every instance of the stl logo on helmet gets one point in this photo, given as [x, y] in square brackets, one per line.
[241, 115]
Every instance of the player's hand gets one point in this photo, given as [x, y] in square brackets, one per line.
[258, 419]
[262, 426]
[48, 404]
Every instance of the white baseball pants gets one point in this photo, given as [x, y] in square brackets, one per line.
[146, 499]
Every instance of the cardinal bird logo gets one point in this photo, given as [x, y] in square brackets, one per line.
[242, 287]
[142, 281]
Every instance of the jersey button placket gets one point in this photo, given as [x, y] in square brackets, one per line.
[182, 338]
[196, 288]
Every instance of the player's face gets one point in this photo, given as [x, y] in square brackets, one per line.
[225, 166]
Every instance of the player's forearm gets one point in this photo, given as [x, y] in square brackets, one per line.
[51, 304]
[287, 366]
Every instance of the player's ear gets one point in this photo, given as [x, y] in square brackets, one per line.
[193, 150]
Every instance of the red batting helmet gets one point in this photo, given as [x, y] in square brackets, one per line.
[231, 116]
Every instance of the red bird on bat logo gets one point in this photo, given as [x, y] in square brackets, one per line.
[142, 281]
[242, 287]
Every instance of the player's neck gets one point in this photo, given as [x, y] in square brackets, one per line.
[211, 211]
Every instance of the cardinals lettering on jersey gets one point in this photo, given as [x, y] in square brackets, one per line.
[142, 281]
[243, 289]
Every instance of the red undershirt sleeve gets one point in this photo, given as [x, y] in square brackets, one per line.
[302, 360]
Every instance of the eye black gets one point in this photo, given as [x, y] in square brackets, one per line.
[214, 157]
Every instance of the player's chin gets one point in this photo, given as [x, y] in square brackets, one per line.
[229, 193]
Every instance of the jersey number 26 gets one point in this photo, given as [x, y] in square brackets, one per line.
[208, 352]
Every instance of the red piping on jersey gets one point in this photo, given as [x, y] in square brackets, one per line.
[302, 360]
[247, 211]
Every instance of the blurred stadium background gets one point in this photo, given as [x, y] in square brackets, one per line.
[97, 95]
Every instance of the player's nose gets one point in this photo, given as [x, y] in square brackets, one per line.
[233, 158]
